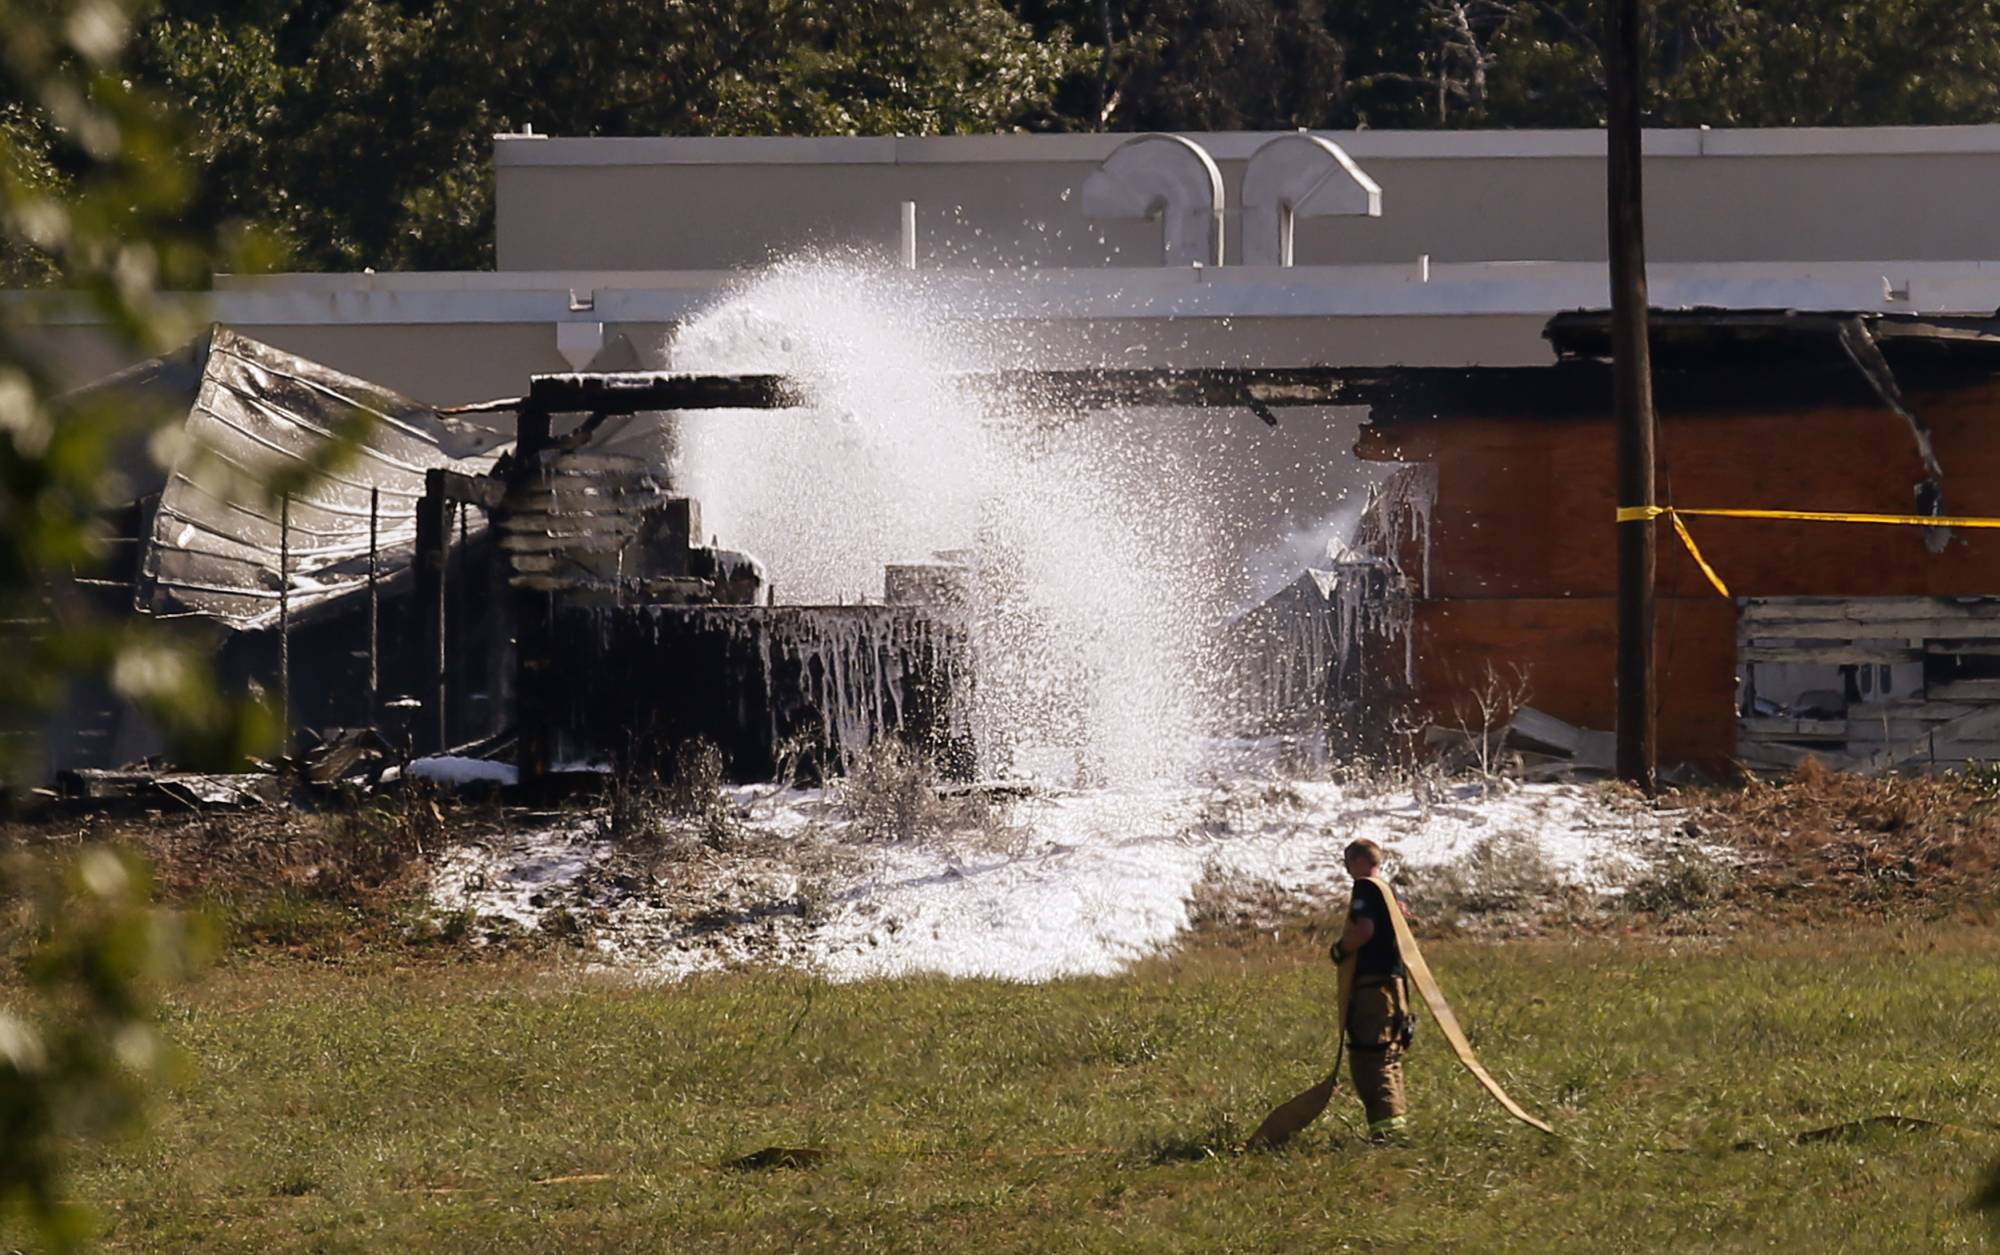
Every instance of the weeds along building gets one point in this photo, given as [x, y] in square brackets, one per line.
[1428, 252]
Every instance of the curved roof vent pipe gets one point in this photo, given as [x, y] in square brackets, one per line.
[1167, 177]
[1299, 176]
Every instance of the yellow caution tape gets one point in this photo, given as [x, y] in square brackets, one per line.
[1297, 1112]
[1694, 551]
[1647, 513]
[1641, 513]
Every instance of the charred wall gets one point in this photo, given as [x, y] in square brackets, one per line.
[763, 683]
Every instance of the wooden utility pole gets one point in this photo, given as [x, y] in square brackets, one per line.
[1632, 386]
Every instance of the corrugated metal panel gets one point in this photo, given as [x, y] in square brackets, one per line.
[260, 413]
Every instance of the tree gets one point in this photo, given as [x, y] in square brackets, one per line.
[1195, 64]
[368, 143]
[1770, 63]
[1189, 64]
[76, 1057]
[94, 198]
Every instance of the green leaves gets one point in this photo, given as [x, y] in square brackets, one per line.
[95, 199]
[78, 1050]
[1188, 64]
[366, 142]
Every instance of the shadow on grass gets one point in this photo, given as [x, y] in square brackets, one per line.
[1987, 1201]
[1220, 1137]
[794, 1157]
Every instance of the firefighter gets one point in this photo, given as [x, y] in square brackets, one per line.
[1378, 1014]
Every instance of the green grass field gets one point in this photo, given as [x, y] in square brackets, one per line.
[520, 1105]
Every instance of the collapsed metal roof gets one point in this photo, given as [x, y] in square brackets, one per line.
[259, 415]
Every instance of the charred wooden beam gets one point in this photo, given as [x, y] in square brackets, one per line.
[1947, 345]
[1862, 347]
[374, 607]
[433, 542]
[1257, 388]
[638, 392]
[458, 489]
[1576, 387]
[534, 662]
[444, 491]
[285, 623]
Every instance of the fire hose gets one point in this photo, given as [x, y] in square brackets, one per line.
[1302, 1109]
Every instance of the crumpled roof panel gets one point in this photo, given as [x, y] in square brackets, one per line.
[215, 546]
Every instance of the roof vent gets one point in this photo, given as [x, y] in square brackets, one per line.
[1167, 177]
[1299, 176]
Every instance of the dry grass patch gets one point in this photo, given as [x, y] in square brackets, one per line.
[324, 883]
[1823, 840]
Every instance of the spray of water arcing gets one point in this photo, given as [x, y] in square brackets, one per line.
[1317, 546]
[1087, 625]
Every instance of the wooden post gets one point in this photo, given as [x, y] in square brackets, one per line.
[374, 607]
[1632, 374]
[433, 549]
[285, 626]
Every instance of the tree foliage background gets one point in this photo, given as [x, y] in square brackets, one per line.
[361, 129]
[97, 198]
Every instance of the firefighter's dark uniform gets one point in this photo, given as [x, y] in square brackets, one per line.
[1378, 1016]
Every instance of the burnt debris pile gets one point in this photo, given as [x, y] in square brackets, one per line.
[362, 561]
[279, 535]
[1332, 653]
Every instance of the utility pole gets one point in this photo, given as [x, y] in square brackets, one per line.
[1632, 387]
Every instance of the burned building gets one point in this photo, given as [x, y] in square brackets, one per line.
[494, 571]
[289, 564]
[1868, 644]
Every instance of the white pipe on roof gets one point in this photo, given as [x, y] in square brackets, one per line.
[1295, 176]
[1168, 177]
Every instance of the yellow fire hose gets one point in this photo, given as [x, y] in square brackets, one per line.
[1297, 1112]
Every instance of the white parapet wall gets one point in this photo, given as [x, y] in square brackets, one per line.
[1922, 193]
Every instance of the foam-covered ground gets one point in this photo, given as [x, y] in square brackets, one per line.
[1048, 885]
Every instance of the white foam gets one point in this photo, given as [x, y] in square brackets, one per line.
[1092, 881]
[456, 769]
